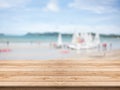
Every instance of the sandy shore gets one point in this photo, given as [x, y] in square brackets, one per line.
[43, 51]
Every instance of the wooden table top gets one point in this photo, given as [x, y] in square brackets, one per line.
[60, 73]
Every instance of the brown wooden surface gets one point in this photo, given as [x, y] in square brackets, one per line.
[60, 88]
[59, 73]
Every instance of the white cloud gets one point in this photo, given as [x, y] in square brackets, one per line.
[12, 3]
[52, 6]
[96, 6]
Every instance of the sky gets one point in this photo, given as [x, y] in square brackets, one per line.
[65, 16]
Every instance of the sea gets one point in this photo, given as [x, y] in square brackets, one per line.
[35, 47]
[52, 38]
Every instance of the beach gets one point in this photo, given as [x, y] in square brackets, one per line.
[43, 51]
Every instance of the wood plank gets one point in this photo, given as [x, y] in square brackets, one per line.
[60, 84]
[61, 69]
[59, 61]
[60, 73]
[60, 78]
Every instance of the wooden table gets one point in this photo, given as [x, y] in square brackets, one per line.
[60, 73]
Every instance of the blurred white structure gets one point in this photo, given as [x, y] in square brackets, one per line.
[59, 41]
[84, 41]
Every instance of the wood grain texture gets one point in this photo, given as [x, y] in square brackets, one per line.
[60, 73]
[60, 88]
